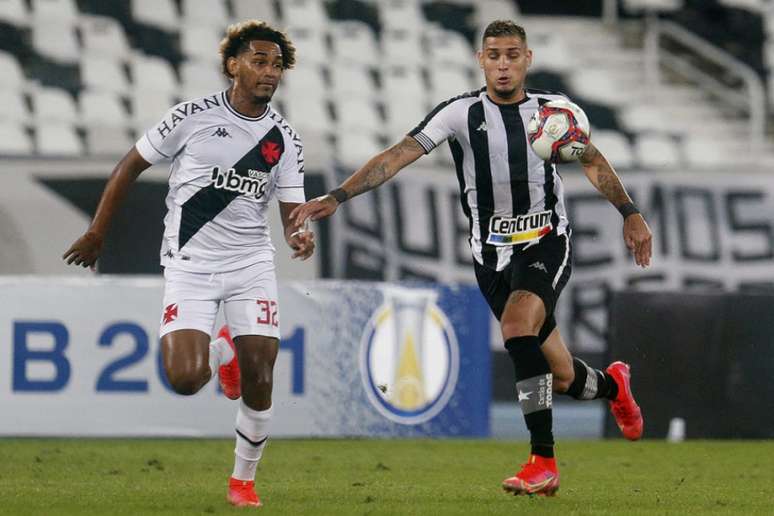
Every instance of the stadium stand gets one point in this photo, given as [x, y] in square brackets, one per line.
[362, 65]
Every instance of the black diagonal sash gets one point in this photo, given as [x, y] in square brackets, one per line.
[205, 204]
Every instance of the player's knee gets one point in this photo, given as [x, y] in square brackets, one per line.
[187, 381]
[519, 327]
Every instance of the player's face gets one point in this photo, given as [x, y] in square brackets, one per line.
[258, 69]
[504, 60]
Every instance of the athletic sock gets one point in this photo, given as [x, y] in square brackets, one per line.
[590, 383]
[533, 386]
[252, 432]
[220, 353]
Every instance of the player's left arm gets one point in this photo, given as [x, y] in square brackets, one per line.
[636, 232]
[299, 238]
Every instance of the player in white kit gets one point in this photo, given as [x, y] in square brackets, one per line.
[231, 153]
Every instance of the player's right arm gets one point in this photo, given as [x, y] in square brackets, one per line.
[88, 247]
[376, 171]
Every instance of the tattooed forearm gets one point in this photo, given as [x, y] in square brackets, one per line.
[382, 167]
[603, 177]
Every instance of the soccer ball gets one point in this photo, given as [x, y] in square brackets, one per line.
[559, 131]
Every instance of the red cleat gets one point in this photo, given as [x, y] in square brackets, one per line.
[241, 493]
[228, 374]
[627, 413]
[539, 476]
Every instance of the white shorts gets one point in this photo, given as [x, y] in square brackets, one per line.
[249, 296]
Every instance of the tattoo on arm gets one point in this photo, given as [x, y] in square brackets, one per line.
[383, 166]
[603, 177]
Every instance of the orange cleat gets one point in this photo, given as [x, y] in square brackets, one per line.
[228, 374]
[627, 413]
[241, 493]
[539, 476]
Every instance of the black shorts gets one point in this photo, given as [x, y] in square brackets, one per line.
[543, 269]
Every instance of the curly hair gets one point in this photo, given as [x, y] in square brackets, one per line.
[504, 28]
[239, 36]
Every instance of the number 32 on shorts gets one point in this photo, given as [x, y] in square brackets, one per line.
[267, 312]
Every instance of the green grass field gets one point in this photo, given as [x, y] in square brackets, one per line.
[116, 477]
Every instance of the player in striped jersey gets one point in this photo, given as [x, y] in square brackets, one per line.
[520, 237]
[231, 153]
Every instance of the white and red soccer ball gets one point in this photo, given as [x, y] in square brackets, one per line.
[559, 131]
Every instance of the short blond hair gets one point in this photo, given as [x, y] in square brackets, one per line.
[239, 36]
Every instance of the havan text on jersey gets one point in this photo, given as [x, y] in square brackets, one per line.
[180, 112]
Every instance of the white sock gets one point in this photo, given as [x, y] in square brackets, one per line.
[220, 353]
[252, 429]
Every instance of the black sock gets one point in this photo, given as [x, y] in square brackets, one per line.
[590, 384]
[533, 386]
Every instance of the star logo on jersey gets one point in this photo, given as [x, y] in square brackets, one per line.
[270, 152]
[524, 396]
[170, 313]
[222, 132]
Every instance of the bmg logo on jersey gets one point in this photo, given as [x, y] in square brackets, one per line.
[254, 183]
[409, 358]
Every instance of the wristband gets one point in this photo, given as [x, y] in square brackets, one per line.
[339, 194]
[627, 208]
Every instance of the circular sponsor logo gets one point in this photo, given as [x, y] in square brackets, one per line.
[409, 358]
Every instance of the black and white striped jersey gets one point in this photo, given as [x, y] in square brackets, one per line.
[510, 195]
[225, 169]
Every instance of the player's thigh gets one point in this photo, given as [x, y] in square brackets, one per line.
[524, 314]
[185, 354]
[251, 304]
[558, 358]
[257, 355]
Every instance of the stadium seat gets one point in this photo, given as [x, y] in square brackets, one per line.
[450, 81]
[599, 86]
[250, 9]
[58, 139]
[400, 82]
[311, 46]
[403, 116]
[102, 109]
[148, 108]
[108, 141]
[303, 14]
[15, 108]
[54, 105]
[158, 13]
[303, 81]
[652, 5]
[550, 53]
[449, 48]
[353, 149]
[103, 36]
[14, 140]
[354, 42]
[352, 80]
[100, 73]
[64, 12]
[643, 117]
[11, 74]
[488, 10]
[356, 115]
[153, 74]
[212, 13]
[615, 146]
[402, 47]
[201, 42]
[308, 115]
[55, 41]
[201, 78]
[656, 151]
[402, 14]
[708, 152]
[14, 12]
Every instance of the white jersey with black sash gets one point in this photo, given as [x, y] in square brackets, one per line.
[225, 169]
[511, 197]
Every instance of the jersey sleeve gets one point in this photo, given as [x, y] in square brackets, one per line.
[290, 178]
[437, 127]
[165, 139]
